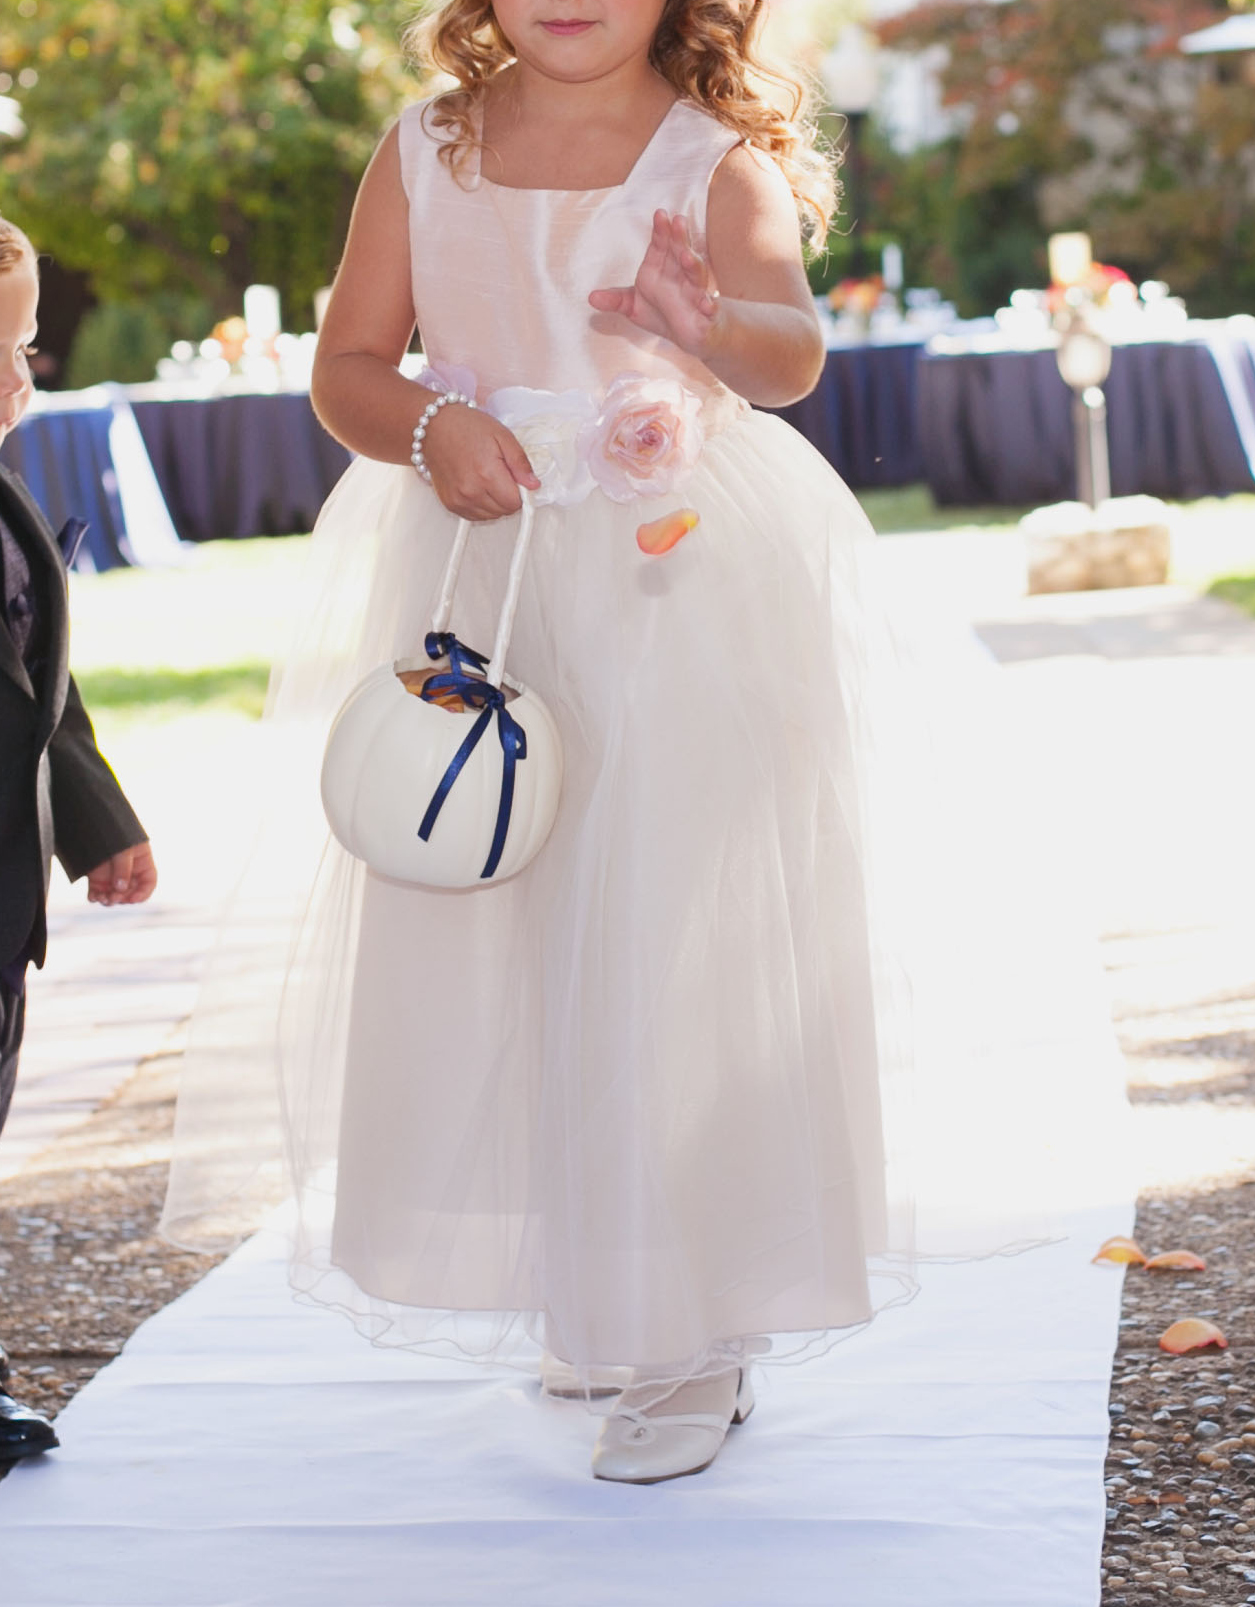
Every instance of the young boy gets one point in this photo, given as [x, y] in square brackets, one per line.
[57, 794]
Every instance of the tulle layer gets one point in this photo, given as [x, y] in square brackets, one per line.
[781, 1005]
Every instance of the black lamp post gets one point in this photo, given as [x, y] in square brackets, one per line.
[851, 74]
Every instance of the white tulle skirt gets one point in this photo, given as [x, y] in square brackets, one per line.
[782, 1004]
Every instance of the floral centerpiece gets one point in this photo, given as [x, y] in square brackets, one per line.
[1097, 288]
[859, 297]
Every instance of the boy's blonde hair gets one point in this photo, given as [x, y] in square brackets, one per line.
[15, 248]
[706, 49]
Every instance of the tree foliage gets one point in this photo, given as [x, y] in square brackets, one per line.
[1083, 114]
[196, 145]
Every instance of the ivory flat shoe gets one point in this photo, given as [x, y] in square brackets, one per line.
[561, 1381]
[647, 1448]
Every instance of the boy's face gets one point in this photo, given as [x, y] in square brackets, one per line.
[576, 41]
[19, 301]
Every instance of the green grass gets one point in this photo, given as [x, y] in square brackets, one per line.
[910, 508]
[228, 604]
[1239, 589]
[153, 646]
[173, 694]
[150, 646]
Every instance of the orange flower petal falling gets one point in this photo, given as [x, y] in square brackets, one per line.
[662, 534]
[1176, 1261]
[1192, 1333]
[1121, 1251]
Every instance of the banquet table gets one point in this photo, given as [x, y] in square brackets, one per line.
[995, 426]
[147, 468]
[147, 465]
[863, 414]
[66, 460]
[240, 465]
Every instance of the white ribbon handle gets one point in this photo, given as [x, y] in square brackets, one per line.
[514, 586]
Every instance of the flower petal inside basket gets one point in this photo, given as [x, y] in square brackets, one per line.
[1121, 1251]
[1176, 1261]
[415, 680]
[1192, 1333]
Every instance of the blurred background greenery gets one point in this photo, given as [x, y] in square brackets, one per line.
[167, 153]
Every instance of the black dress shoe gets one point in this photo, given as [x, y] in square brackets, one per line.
[23, 1432]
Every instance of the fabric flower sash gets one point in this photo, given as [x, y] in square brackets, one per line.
[641, 438]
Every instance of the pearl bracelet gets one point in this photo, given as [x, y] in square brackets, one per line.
[420, 429]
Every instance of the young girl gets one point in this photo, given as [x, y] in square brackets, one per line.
[643, 1103]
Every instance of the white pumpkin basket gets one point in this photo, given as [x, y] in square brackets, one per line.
[413, 783]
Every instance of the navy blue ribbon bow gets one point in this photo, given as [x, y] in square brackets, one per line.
[444, 644]
[476, 693]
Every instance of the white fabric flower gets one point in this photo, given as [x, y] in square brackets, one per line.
[548, 425]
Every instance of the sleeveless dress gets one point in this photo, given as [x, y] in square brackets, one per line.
[650, 1101]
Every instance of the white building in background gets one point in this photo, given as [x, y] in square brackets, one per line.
[908, 107]
[1108, 104]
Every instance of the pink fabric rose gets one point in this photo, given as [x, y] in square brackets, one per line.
[646, 439]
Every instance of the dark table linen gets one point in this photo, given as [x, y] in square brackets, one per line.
[862, 415]
[65, 460]
[240, 465]
[996, 427]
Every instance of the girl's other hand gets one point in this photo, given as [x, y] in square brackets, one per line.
[476, 464]
[674, 294]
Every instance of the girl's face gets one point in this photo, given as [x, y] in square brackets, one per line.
[19, 299]
[579, 41]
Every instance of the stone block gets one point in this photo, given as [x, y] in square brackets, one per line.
[1125, 541]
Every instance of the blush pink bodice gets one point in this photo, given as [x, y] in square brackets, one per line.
[501, 276]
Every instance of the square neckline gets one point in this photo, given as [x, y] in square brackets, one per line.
[602, 189]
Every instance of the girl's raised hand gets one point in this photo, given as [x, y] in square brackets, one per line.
[674, 294]
[476, 464]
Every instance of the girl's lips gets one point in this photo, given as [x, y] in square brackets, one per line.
[563, 29]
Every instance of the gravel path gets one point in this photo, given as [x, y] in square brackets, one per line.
[1181, 1465]
[81, 1265]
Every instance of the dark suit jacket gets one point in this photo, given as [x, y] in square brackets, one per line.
[57, 794]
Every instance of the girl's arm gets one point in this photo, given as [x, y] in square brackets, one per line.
[476, 464]
[745, 309]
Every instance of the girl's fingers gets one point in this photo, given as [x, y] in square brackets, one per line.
[618, 298]
[519, 464]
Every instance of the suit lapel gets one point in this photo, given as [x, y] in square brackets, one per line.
[26, 519]
[11, 662]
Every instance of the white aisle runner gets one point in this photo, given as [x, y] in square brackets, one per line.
[246, 1451]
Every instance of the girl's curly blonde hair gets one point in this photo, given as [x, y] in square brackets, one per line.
[706, 49]
[15, 248]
